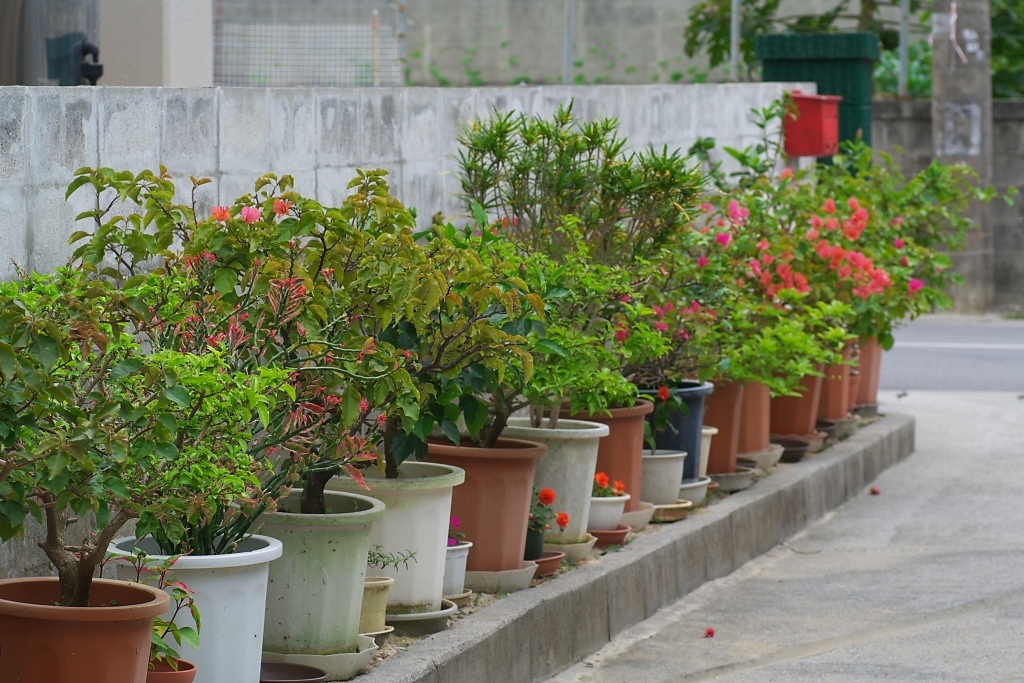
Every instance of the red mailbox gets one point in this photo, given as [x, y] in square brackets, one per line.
[813, 129]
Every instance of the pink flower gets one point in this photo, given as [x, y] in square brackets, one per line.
[625, 298]
[755, 266]
[738, 214]
[456, 523]
[706, 207]
[898, 222]
[661, 327]
[658, 310]
[364, 405]
[786, 173]
[452, 542]
[763, 244]
[703, 261]
[813, 234]
[915, 285]
[221, 213]
[251, 214]
[899, 243]
[853, 204]
[622, 334]
[830, 206]
[905, 261]
[723, 238]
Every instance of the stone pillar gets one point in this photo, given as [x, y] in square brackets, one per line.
[156, 42]
[962, 128]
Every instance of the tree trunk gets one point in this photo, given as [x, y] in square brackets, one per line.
[867, 14]
[312, 501]
[390, 432]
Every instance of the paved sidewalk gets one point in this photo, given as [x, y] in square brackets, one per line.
[924, 582]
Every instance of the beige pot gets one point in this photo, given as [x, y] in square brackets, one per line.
[375, 603]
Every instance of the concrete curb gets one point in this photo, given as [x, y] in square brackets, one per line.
[537, 633]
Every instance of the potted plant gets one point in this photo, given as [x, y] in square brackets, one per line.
[539, 521]
[608, 504]
[456, 556]
[376, 588]
[94, 425]
[165, 663]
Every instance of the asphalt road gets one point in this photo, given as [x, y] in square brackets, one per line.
[957, 353]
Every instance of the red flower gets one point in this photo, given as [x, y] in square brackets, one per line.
[664, 394]
[710, 632]
[281, 206]
[601, 479]
[622, 334]
[830, 206]
[547, 496]
[221, 213]
[562, 519]
[620, 486]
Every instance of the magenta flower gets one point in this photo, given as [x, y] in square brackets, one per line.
[703, 261]
[738, 214]
[661, 327]
[456, 523]
[723, 238]
[915, 285]
[452, 542]
[250, 214]
[899, 243]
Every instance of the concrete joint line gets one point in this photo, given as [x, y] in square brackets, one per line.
[537, 633]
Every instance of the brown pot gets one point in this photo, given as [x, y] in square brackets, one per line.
[870, 372]
[854, 387]
[163, 673]
[835, 391]
[722, 410]
[797, 414]
[494, 501]
[107, 642]
[620, 454]
[755, 418]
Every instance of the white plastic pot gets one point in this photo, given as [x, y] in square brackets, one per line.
[455, 568]
[419, 505]
[606, 513]
[315, 593]
[663, 471]
[568, 469]
[231, 594]
[705, 448]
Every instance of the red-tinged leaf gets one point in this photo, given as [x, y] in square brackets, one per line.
[181, 585]
[357, 476]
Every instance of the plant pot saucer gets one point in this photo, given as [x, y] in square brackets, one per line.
[289, 672]
[846, 426]
[612, 536]
[574, 552]
[507, 581]
[815, 442]
[672, 513]
[639, 519]
[462, 599]
[794, 450]
[828, 427]
[549, 562]
[866, 410]
[422, 623]
[730, 482]
[379, 637]
[764, 459]
[339, 667]
[695, 490]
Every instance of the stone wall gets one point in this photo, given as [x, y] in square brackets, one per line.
[320, 136]
[908, 125]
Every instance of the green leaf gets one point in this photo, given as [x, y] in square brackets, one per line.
[475, 412]
[167, 450]
[8, 361]
[189, 636]
[451, 430]
[550, 346]
[47, 351]
[117, 487]
[125, 368]
[178, 394]
[224, 280]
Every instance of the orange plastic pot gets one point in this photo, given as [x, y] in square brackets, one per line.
[835, 391]
[723, 410]
[494, 502]
[870, 372]
[797, 414]
[620, 454]
[163, 673]
[107, 642]
[755, 418]
[854, 387]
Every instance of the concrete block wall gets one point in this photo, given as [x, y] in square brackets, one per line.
[908, 125]
[318, 135]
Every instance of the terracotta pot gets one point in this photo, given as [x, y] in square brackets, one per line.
[755, 418]
[854, 387]
[870, 372]
[620, 454]
[835, 391]
[98, 644]
[549, 562]
[723, 409]
[163, 673]
[494, 502]
[797, 414]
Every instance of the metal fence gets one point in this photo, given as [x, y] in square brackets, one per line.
[308, 43]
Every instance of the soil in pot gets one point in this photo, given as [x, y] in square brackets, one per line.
[161, 672]
[107, 642]
[619, 454]
[724, 412]
[494, 502]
